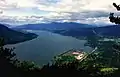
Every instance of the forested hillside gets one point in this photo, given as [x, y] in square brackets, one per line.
[12, 36]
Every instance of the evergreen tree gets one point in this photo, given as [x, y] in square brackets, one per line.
[115, 19]
[116, 47]
[7, 58]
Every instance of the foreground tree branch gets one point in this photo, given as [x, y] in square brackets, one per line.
[116, 6]
[115, 19]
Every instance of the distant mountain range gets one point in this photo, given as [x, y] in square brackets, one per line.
[53, 26]
[11, 36]
[74, 29]
[111, 30]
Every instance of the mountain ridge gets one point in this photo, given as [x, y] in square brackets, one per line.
[112, 30]
[11, 36]
[53, 26]
[74, 29]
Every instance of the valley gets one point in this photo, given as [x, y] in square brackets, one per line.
[42, 49]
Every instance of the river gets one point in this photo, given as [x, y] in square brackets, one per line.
[42, 49]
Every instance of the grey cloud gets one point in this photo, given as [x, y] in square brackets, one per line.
[1, 12]
[88, 14]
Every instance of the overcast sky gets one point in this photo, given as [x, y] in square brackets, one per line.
[43, 11]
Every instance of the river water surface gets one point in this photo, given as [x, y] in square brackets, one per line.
[42, 49]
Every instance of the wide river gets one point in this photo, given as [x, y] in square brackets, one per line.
[42, 49]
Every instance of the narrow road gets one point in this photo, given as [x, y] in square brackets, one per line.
[93, 50]
[98, 34]
[89, 54]
[94, 32]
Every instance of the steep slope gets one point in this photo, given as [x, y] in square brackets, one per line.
[11, 36]
[111, 30]
[76, 32]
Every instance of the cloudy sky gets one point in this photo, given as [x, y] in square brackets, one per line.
[43, 11]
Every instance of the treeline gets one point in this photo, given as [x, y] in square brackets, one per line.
[95, 65]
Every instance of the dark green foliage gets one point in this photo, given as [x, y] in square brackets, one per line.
[11, 67]
[92, 41]
[11, 36]
[64, 59]
[6, 58]
[90, 67]
[116, 47]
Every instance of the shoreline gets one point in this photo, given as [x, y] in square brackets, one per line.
[24, 40]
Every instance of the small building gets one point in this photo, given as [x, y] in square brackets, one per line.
[78, 55]
[75, 53]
